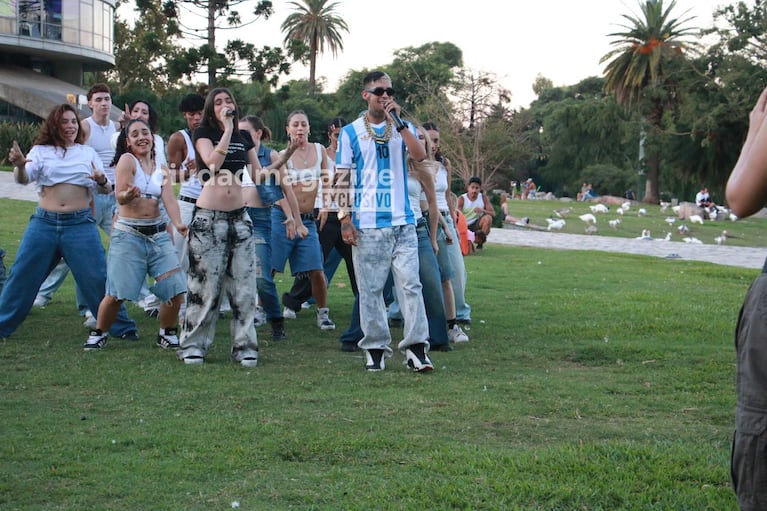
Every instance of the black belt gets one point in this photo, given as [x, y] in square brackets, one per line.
[308, 216]
[148, 230]
[187, 199]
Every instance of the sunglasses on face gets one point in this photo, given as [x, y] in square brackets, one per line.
[379, 91]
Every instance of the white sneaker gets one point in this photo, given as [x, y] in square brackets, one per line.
[288, 313]
[455, 334]
[90, 321]
[306, 305]
[323, 319]
[40, 301]
[260, 318]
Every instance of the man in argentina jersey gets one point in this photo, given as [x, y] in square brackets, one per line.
[371, 163]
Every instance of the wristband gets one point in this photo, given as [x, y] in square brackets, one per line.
[220, 151]
[400, 128]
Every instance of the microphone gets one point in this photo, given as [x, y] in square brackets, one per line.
[230, 113]
[398, 123]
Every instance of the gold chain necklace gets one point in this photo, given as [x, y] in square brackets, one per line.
[379, 139]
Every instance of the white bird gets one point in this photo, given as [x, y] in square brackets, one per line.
[691, 239]
[720, 240]
[683, 229]
[676, 209]
[588, 218]
[555, 224]
[696, 219]
[642, 212]
[733, 217]
[599, 208]
[591, 229]
[664, 206]
[619, 211]
[615, 223]
[563, 212]
[670, 220]
[626, 206]
[713, 214]
[668, 237]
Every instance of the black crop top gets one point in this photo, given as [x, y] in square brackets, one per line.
[237, 155]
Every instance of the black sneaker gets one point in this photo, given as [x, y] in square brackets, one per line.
[349, 346]
[416, 358]
[96, 340]
[169, 339]
[278, 332]
[375, 360]
[130, 336]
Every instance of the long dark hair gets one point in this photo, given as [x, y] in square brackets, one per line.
[208, 111]
[50, 130]
[122, 141]
[430, 126]
[153, 118]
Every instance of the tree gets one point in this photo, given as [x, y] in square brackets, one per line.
[637, 73]
[142, 51]
[238, 58]
[315, 25]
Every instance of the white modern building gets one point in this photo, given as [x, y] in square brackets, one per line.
[45, 47]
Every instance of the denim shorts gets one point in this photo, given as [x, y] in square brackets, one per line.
[304, 254]
[132, 256]
[446, 270]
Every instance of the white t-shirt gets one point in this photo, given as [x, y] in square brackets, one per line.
[52, 165]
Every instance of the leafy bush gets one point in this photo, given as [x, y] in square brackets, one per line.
[609, 179]
[22, 132]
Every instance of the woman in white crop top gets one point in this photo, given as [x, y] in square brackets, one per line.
[66, 172]
[139, 243]
[307, 169]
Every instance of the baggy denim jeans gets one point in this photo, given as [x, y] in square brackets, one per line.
[267, 291]
[462, 309]
[378, 252]
[49, 237]
[221, 261]
[433, 300]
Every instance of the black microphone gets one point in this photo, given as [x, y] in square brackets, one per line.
[230, 113]
[397, 121]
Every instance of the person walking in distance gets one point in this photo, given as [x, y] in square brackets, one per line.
[382, 223]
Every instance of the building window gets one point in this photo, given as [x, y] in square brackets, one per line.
[30, 18]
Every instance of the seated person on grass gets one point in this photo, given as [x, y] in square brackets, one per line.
[477, 209]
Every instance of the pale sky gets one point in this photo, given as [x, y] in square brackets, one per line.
[516, 40]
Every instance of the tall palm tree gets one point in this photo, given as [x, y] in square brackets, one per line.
[639, 71]
[315, 24]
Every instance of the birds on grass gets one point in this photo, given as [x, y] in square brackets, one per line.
[615, 223]
[589, 218]
[692, 239]
[599, 208]
[696, 219]
[645, 235]
[670, 220]
[562, 212]
[555, 224]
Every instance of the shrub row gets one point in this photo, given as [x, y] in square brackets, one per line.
[22, 132]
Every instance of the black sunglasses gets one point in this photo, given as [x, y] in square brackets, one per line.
[379, 91]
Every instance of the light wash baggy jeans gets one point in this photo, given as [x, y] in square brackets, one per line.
[379, 251]
[221, 250]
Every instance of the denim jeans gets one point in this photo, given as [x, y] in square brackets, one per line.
[221, 261]
[103, 211]
[433, 300]
[378, 252]
[2, 270]
[49, 237]
[267, 291]
[462, 309]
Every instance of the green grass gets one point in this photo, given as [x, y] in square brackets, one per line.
[592, 381]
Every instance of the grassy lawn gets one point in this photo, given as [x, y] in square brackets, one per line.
[592, 381]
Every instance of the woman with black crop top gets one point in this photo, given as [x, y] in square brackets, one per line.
[221, 242]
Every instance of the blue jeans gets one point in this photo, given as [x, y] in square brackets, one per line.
[49, 237]
[2, 269]
[462, 309]
[103, 211]
[267, 291]
[433, 300]
[378, 252]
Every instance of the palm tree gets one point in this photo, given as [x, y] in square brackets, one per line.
[639, 72]
[316, 25]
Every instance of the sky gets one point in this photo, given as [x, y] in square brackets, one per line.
[515, 40]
